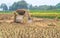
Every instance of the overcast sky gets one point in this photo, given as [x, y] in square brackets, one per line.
[33, 2]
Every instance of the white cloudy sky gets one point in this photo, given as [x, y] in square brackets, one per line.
[33, 2]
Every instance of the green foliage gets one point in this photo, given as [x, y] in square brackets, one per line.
[18, 5]
[4, 6]
[6, 12]
[58, 5]
[24, 5]
[45, 11]
[39, 13]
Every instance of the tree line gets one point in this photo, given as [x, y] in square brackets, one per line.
[24, 5]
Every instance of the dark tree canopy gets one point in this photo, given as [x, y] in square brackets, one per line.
[24, 5]
[4, 6]
[19, 5]
[58, 5]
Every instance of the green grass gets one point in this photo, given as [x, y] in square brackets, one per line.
[45, 13]
[6, 12]
[39, 13]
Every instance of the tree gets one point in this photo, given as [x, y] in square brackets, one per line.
[43, 7]
[58, 5]
[22, 4]
[31, 7]
[19, 5]
[4, 6]
[13, 7]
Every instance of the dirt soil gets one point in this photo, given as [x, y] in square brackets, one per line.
[39, 28]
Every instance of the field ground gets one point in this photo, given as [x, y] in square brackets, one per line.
[34, 30]
[39, 28]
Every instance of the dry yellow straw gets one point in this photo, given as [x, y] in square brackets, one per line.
[25, 19]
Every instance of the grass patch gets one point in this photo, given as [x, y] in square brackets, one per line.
[39, 13]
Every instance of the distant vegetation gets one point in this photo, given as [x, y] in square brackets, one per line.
[36, 11]
[46, 13]
[39, 13]
[24, 5]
